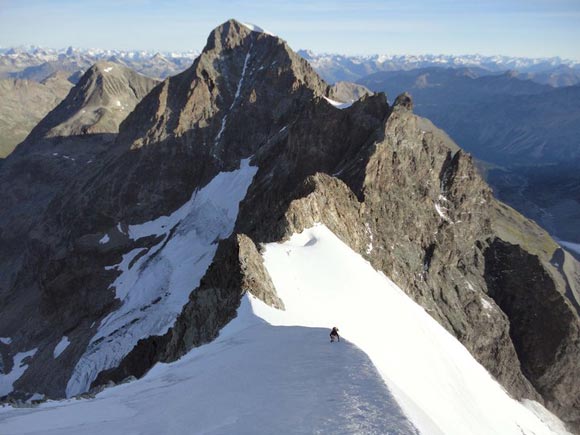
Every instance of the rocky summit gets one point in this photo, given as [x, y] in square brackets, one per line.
[249, 146]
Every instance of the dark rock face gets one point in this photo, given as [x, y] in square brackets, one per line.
[387, 182]
[543, 328]
[42, 300]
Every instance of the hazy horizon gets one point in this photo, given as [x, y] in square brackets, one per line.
[515, 28]
[336, 53]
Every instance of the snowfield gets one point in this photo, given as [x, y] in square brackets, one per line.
[396, 371]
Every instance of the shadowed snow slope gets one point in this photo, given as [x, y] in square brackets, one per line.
[274, 371]
[254, 379]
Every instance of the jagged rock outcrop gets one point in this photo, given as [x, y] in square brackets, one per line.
[387, 182]
[347, 92]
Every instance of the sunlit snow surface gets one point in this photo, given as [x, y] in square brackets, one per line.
[155, 283]
[258, 29]
[433, 377]
[275, 372]
[338, 104]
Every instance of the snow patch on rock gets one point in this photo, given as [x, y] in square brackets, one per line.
[338, 104]
[60, 347]
[258, 29]
[441, 212]
[19, 367]
[236, 96]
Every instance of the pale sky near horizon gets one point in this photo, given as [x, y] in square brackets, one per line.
[532, 28]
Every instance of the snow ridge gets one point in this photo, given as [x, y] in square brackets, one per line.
[436, 381]
[415, 377]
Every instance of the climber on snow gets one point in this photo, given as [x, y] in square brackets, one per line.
[334, 335]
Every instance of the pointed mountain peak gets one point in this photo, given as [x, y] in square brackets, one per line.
[159, 57]
[242, 69]
[99, 102]
[227, 35]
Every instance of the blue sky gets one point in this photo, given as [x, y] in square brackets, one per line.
[536, 28]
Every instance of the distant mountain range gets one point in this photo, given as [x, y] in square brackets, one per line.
[36, 63]
[553, 71]
[20, 62]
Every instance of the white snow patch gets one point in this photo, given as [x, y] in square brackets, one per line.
[470, 286]
[338, 104]
[123, 266]
[5, 340]
[223, 126]
[108, 69]
[155, 283]
[7, 380]
[258, 29]
[105, 239]
[440, 211]
[60, 347]
[434, 378]
[443, 198]
[485, 304]
[35, 396]
[370, 234]
[118, 103]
